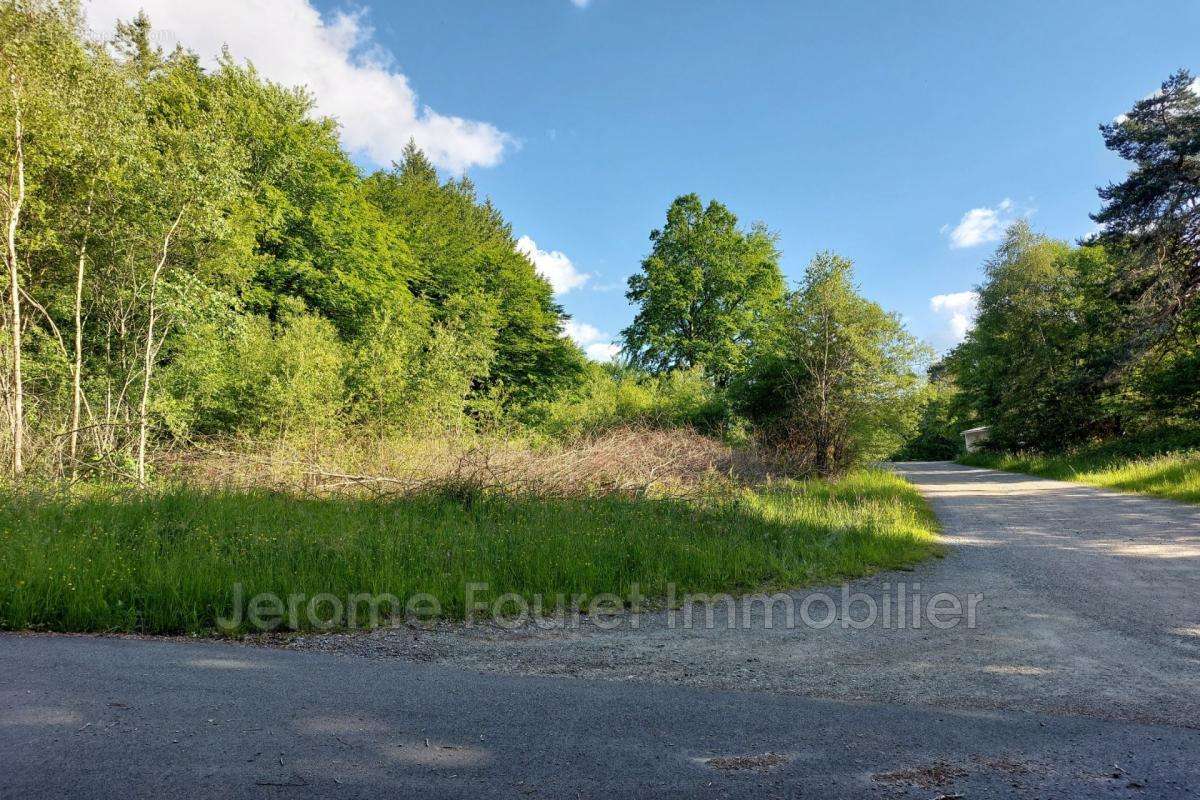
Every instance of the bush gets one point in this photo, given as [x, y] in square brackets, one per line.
[257, 377]
[613, 397]
[406, 375]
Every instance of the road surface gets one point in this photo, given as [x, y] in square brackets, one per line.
[1080, 678]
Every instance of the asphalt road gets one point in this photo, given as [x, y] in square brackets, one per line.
[86, 717]
[112, 717]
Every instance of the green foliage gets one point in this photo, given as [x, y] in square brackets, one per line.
[169, 562]
[611, 397]
[466, 252]
[835, 382]
[1075, 346]
[1046, 363]
[704, 292]
[273, 379]
[223, 251]
[1154, 214]
[409, 376]
[308, 231]
[1165, 385]
[939, 429]
[299, 376]
[1033, 364]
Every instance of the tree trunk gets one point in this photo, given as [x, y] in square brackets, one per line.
[148, 363]
[77, 372]
[15, 201]
[143, 405]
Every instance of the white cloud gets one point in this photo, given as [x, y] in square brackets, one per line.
[352, 78]
[582, 333]
[553, 265]
[602, 351]
[581, 3]
[978, 225]
[959, 309]
[595, 343]
[982, 225]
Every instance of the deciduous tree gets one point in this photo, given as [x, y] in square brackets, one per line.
[704, 292]
[837, 380]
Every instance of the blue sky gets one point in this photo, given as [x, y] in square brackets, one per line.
[872, 128]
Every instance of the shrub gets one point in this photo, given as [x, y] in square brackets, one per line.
[612, 397]
[256, 377]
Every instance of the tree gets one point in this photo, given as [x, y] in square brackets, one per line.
[38, 48]
[464, 249]
[704, 291]
[188, 176]
[304, 227]
[108, 125]
[1046, 334]
[14, 197]
[939, 429]
[412, 375]
[836, 380]
[225, 268]
[81, 210]
[1154, 214]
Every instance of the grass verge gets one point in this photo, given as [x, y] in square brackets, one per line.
[169, 562]
[1175, 476]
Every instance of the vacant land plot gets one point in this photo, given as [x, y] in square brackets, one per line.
[180, 559]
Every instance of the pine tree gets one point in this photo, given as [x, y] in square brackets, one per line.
[1154, 214]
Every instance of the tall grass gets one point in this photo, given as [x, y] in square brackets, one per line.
[1175, 476]
[169, 562]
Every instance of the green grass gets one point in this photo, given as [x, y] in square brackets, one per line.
[168, 562]
[1175, 476]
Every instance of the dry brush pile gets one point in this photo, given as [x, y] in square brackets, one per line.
[629, 461]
